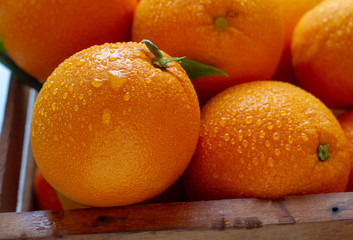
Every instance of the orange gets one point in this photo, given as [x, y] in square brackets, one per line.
[292, 11]
[109, 128]
[261, 140]
[322, 52]
[244, 38]
[39, 34]
[45, 195]
[346, 121]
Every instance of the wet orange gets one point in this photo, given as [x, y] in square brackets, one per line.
[261, 139]
[109, 128]
[292, 11]
[244, 38]
[322, 52]
[346, 121]
[38, 34]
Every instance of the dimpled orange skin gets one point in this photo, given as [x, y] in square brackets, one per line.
[244, 38]
[260, 139]
[110, 129]
[346, 122]
[39, 34]
[322, 52]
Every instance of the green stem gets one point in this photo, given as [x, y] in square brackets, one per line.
[322, 152]
[158, 59]
[22, 76]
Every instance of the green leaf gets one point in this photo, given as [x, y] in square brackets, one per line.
[195, 69]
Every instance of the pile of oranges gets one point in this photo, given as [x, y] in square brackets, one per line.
[118, 120]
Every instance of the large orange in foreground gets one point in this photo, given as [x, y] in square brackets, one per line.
[322, 52]
[39, 34]
[244, 38]
[109, 128]
[267, 139]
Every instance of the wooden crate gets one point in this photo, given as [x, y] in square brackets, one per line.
[322, 216]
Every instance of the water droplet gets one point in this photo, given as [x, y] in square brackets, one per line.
[65, 95]
[49, 84]
[234, 112]
[276, 136]
[106, 116]
[127, 97]
[268, 143]
[81, 96]
[290, 139]
[89, 92]
[255, 161]
[79, 62]
[53, 106]
[262, 134]
[223, 122]
[299, 148]
[148, 80]
[55, 91]
[117, 81]
[277, 152]
[71, 87]
[84, 101]
[245, 143]
[149, 95]
[270, 162]
[239, 149]
[283, 113]
[97, 83]
[270, 126]
[278, 124]
[305, 137]
[76, 108]
[287, 147]
[226, 137]
[249, 119]
[240, 135]
[258, 122]
[249, 132]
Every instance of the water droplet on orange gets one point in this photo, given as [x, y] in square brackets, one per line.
[270, 162]
[106, 116]
[126, 97]
[277, 152]
[117, 81]
[97, 83]
[305, 137]
[249, 119]
[276, 136]
[262, 134]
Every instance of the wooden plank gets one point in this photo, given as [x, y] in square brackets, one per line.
[303, 217]
[25, 196]
[11, 144]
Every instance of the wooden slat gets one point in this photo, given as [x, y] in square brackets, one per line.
[304, 217]
[11, 145]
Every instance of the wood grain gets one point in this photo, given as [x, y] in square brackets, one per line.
[302, 217]
[11, 145]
